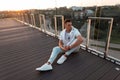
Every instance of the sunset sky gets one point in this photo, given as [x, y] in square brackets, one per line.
[44, 4]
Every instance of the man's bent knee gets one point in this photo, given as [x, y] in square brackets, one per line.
[57, 48]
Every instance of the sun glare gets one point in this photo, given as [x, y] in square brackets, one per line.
[43, 4]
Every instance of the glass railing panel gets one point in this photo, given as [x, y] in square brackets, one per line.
[59, 25]
[81, 25]
[98, 34]
[83, 31]
[42, 22]
[37, 21]
[29, 19]
[20, 16]
[49, 19]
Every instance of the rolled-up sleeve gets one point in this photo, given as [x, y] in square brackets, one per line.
[60, 36]
[77, 33]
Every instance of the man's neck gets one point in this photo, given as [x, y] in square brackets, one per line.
[68, 31]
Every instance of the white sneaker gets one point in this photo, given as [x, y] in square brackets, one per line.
[45, 67]
[62, 59]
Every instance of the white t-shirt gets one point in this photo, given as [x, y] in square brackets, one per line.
[69, 38]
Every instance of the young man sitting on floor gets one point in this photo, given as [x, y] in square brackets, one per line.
[69, 41]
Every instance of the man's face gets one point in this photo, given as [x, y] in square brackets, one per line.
[68, 26]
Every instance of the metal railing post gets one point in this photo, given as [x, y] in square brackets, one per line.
[108, 39]
[56, 32]
[44, 23]
[88, 33]
[41, 16]
[22, 17]
[27, 18]
[34, 23]
[18, 16]
[62, 22]
[31, 16]
[40, 21]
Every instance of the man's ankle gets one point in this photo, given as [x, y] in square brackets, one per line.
[65, 55]
[48, 63]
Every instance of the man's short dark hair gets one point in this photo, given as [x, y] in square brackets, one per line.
[67, 20]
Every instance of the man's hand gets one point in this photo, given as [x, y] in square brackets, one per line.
[66, 48]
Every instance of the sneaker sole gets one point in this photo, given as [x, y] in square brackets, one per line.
[44, 70]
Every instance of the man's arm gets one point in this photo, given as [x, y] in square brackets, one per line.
[78, 42]
[61, 46]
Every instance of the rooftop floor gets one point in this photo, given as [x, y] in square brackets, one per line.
[23, 48]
